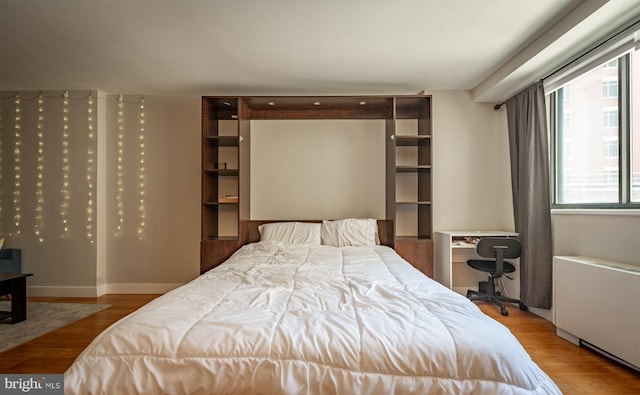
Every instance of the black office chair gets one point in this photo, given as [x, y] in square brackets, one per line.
[498, 248]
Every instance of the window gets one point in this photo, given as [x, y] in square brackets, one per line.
[567, 119]
[567, 149]
[610, 147]
[610, 87]
[634, 135]
[594, 112]
[610, 117]
[567, 92]
[610, 175]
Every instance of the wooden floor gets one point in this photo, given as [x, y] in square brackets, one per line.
[575, 370]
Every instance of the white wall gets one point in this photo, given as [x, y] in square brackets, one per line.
[610, 235]
[471, 171]
[62, 258]
[169, 250]
[317, 169]
[73, 263]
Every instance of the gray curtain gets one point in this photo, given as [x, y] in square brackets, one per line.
[529, 149]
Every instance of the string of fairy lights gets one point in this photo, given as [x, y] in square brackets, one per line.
[43, 127]
[39, 169]
[64, 206]
[17, 166]
[141, 172]
[120, 168]
[90, 169]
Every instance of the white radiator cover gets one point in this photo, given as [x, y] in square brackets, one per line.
[598, 302]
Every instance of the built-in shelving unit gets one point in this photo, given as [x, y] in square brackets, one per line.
[225, 140]
[410, 174]
[225, 155]
[413, 164]
[220, 173]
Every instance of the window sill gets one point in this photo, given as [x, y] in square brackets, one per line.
[582, 211]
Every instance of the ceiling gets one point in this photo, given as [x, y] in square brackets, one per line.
[295, 47]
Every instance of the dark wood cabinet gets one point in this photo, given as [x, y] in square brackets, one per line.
[418, 252]
[226, 179]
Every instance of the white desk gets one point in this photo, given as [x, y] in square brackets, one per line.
[450, 261]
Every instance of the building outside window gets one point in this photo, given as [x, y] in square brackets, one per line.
[610, 87]
[610, 117]
[610, 175]
[567, 92]
[567, 120]
[610, 147]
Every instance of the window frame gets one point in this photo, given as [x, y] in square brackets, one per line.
[555, 120]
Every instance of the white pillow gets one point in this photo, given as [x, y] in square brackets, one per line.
[350, 232]
[330, 233]
[291, 232]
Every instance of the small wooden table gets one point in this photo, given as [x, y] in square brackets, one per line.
[18, 282]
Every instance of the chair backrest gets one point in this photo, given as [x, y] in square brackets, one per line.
[10, 260]
[485, 247]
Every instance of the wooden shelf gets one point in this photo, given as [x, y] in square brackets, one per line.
[223, 141]
[223, 172]
[223, 238]
[412, 169]
[412, 238]
[319, 107]
[412, 141]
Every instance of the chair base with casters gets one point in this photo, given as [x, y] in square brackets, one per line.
[492, 296]
[498, 248]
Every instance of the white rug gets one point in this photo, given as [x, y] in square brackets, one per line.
[42, 318]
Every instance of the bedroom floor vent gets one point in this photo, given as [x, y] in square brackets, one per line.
[597, 304]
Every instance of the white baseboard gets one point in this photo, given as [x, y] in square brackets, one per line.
[568, 336]
[63, 292]
[547, 314]
[141, 288]
[93, 292]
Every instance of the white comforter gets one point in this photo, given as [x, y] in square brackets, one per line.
[317, 320]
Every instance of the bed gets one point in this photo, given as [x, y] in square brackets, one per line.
[301, 317]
